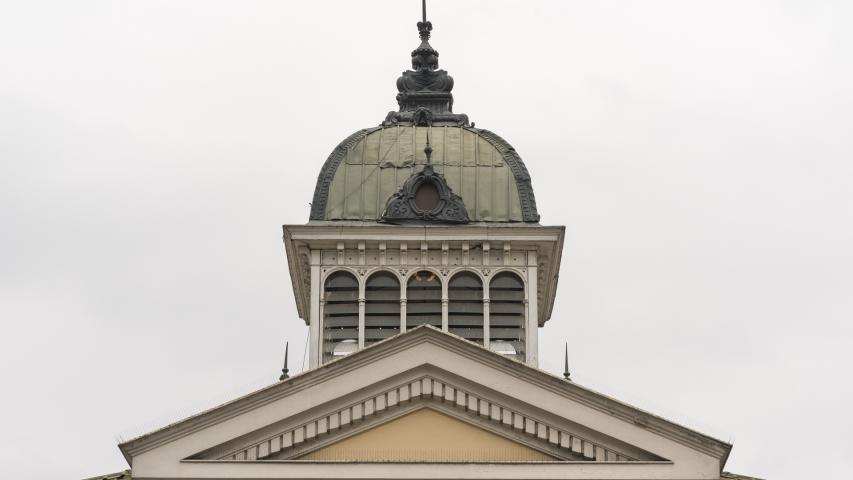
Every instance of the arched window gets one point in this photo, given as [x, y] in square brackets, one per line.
[340, 315]
[382, 307]
[506, 315]
[465, 307]
[423, 295]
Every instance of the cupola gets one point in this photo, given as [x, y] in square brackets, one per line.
[424, 219]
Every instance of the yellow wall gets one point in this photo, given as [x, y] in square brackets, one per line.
[427, 436]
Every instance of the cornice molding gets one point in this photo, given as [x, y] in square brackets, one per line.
[425, 391]
[404, 341]
[546, 240]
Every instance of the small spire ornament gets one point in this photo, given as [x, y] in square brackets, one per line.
[566, 374]
[284, 370]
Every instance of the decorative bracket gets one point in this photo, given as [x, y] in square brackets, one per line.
[425, 198]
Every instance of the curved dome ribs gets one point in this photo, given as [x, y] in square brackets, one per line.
[519, 171]
[527, 212]
[327, 174]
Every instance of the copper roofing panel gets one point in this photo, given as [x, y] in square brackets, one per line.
[368, 168]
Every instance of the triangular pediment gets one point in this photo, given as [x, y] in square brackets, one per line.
[425, 397]
[486, 412]
[426, 435]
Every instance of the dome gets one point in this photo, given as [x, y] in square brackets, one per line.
[371, 165]
[470, 174]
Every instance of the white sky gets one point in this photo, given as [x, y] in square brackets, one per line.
[699, 154]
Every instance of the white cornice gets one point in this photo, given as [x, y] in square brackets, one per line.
[373, 231]
[546, 240]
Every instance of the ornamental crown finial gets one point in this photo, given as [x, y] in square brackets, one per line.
[424, 26]
[424, 57]
[424, 91]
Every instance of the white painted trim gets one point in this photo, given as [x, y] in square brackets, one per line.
[314, 324]
[491, 371]
[361, 302]
[287, 470]
[486, 325]
[531, 325]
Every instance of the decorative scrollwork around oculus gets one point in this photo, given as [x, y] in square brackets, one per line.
[408, 207]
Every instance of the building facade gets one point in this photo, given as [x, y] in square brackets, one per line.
[424, 276]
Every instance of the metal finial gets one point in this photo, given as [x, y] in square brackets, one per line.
[566, 374]
[428, 149]
[285, 370]
[424, 26]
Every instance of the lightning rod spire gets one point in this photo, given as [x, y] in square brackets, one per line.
[284, 370]
[566, 374]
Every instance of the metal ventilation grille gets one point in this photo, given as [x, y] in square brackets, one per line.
[423, 300]
[506, 314]
[340, 315]
[465, 307]
[382, 307]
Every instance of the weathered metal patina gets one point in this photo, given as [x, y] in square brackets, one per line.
[370, 166]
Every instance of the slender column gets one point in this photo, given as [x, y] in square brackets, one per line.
[315, 313]
[403, 302]
[531, 323]
[361, 302]
[444, 315]
[486, 331]
[317, 343]
[445, 299]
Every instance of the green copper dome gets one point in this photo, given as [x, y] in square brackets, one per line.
[375, 174]
[370, 166]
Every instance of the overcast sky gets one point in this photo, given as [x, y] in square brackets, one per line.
[699, 154]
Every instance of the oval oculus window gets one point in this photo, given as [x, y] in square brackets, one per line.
[426, 197]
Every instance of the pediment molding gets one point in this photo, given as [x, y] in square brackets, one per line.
[425, 391]
[401, 345]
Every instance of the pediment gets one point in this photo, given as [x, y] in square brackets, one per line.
[370, 407]
[426, 435]
[478, 410]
